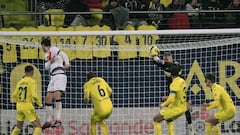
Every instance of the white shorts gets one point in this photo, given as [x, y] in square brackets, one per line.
[57, 82]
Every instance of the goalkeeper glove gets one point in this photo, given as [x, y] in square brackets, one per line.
[154, 50]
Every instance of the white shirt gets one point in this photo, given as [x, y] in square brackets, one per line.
[59, 57]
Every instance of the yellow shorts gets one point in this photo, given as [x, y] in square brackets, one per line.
[172, 113]
[28, 112]
[223, 116]
[98, 116]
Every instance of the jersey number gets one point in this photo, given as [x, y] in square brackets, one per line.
[22, 93]
[101, 91]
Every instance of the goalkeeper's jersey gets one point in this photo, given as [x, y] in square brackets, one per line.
[166, 67]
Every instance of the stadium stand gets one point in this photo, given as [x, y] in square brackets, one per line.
[14, 6]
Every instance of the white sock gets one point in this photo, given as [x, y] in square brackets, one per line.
[49, 111]
[58, 111]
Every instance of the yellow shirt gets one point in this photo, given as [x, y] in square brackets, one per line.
[99, 91]
[29, 46]
[127, 44]
[145, 41]
[177, 97]
[84, 44]
[25, 92]
[101, 43]
[67, 44]
[222, 99]
[9, 49]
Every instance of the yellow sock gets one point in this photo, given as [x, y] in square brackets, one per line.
[208, 128]
[37, 131]
[103, 127]
[170, 127]
[157, 128]
[15, 131]
[216, 130]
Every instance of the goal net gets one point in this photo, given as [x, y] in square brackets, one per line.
[122, 59]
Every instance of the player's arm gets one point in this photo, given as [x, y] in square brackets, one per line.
[109, 89]
[47, 65]
[170, 99]
[86, 94]
[212, 105]
[35, 97]
[15, 93]
[154, 50]
[157, 60]
[215, 103]
[65, 58]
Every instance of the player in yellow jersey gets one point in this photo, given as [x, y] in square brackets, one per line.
[99, 91]
[25, 95]
[166, 64]
[222, 101]
[175, 104]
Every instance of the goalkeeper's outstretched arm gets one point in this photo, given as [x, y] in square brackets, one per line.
[154, 54]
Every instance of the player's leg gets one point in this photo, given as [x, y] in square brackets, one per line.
[210, 122]
[17, 128]
[189, 122]
[216, 130]
[32, 116]
[103, 127]
[60, 82]
[20, 120]
[93, 124]
[58, 108]
[170, 127]
[157, 119]
[37, 124]
[49, 110]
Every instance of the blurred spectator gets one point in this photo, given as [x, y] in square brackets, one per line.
[213, 19]
[94, 6]
[177, 5]
[45, 5]
[225, 3]
[178, 20]
[233, 18]
[166, 3]
[134, 5]
[192, 5]
[73, 19]
[155, 18]
[118, 18]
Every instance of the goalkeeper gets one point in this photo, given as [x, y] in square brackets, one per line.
[166, 64]
[99, 91]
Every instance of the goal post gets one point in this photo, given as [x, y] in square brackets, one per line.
[122, 59]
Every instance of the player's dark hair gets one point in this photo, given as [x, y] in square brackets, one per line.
[90, 75]
[167, 54]
[46, 42]
[28, 69]
[210, 77]
[174, 70]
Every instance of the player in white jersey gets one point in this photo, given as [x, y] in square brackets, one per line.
[54, 64]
